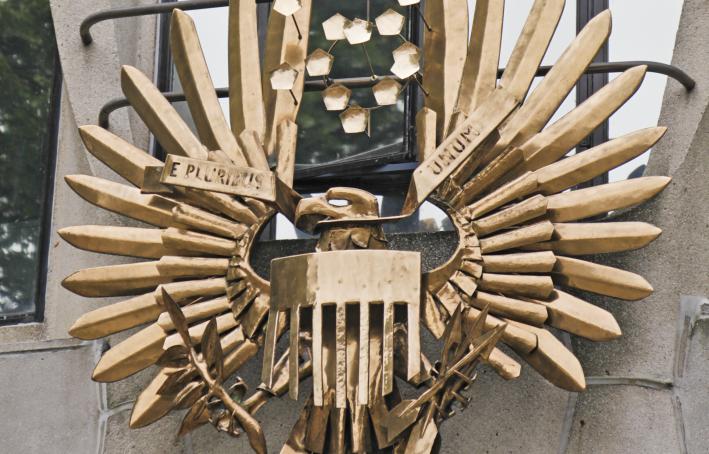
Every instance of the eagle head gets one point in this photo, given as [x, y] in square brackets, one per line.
[346, 218]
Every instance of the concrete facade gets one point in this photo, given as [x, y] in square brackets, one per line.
[648, 391]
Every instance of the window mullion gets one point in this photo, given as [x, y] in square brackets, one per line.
[591, 83]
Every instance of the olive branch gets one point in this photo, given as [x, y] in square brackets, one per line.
[225, 413]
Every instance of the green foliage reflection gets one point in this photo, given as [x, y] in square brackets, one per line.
[27, 52]
[321, 138]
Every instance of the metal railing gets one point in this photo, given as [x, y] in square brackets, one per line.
[364, 82]
[329, 170]
[133, 11]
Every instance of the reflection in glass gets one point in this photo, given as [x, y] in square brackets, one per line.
[27, 53]
[321, 137]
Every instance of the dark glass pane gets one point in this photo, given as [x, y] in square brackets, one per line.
[27, 52]
[321, 138]
[349, 59]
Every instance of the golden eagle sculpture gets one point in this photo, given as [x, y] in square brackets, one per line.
[351, 310]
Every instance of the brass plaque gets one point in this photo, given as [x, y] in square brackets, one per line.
[219, 177]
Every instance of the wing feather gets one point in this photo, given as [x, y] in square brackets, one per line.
[601, 279]
[584, 203]
[483, 57]
[128, 241]
[158, 114]
[560, 137]
[116, 317]
[132, 278]
[513, 210]
[197, 85]
[599, 237]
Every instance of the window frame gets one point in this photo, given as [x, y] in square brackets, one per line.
[316, 178]
[394, 176]
[52, 143]
[591, 83]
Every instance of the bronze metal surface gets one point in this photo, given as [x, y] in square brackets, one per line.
[352, 309]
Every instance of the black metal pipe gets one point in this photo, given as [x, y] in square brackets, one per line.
[158, 8]
[364, 82]
[619, 66]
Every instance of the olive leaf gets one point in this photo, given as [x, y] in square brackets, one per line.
[452, 336]
[176, 356]
[212, 349]
[192, 419]
[238, 390]
[189, 394]
[177, 317]
[175, 382]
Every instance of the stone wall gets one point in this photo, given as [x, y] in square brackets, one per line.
[647, 391]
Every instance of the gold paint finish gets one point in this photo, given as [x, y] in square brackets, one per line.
[425, 133]
[578, 317]
[531, 46]
[354, 120]
[584, 203]
[199, 89]
[352, 309]
[457, 148]
[246, 105]
[284, 44]
[483, 57]
[336, 97]
[445, 50]
[584, 166]
[526, 262]
[215, 177]
[389, 23]
[125, 159]
[382, 279]
[386, 92]
[158, 114]
[599, 237]
[287, 139]
[601, 279]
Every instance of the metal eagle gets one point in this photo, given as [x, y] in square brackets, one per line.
[352, 308]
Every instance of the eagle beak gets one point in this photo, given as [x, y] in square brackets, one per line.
[313, 210]
[359, 204]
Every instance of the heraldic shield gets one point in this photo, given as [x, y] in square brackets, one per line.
[350, 300]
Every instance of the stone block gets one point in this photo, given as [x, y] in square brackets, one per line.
[624, 419]
[49, 403]
[158, 438]
[524, 415]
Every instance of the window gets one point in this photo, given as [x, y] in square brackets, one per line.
[28, 82]
[325, 151]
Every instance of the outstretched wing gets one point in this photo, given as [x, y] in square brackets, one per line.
[516, 204]
[199, 244]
